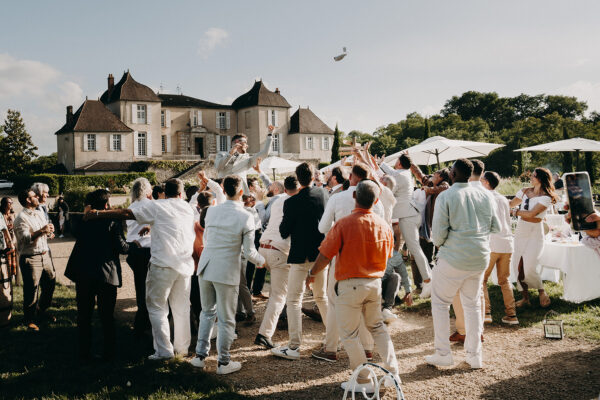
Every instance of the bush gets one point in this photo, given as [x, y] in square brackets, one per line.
[323, 164]
[75, 198]
[65, 183]
[22, 182]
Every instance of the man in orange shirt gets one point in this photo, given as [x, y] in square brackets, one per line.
[362, 242]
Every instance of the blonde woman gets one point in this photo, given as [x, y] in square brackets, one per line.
[533, 203]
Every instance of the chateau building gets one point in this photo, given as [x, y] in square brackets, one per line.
[131, 123]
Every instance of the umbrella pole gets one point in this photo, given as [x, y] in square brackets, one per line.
[576, 160]
[274, 178]
[437, 156]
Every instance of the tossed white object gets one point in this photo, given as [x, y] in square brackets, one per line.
[338, 163]
[574, 144]
[439, 149]
[279, 164]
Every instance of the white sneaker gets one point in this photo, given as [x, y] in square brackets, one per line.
[426, 290]
[155, 357]
[368, 388]
[388, 316]
[439, 360]
[233, 366]
[389, 382]
[475, 362]
[198, 362]
[286, 352]
[213, 333]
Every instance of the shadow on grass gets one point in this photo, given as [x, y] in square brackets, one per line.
[45, 364]
[566, 375]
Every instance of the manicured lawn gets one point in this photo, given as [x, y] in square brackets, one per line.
[580, 320]
[44, 364]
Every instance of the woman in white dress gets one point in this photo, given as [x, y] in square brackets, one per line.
[534, 203]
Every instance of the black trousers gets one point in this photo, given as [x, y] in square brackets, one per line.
[89, 293]
[255, 285]
[195, 304]
[139, 260]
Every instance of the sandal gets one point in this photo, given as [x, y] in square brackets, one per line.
[522, 302]
[544, 300]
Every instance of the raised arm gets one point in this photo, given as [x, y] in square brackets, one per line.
[328, 217]
[416, 171]
[217, 190]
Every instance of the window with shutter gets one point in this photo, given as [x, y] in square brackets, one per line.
[222, 120]
[148, 114]
[276, 144]
[163, 143]
[135, 144]
[116, 142]
[142, 144]
[141, 114]
[149, 144]
[309, 143]
[223, 143]
[162, 118]
[91, 142]
[325, 143]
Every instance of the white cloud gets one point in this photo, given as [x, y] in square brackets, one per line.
[586, 91]
[41, 93]
[212, 38]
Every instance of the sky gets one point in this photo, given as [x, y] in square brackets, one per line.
[403, 56]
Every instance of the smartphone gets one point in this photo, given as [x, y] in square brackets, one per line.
[581, 202]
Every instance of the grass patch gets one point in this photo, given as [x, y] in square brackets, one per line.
[44, 364]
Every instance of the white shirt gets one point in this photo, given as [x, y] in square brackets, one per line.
[403, 191]
[534, 201]
[172, 222]
[271, 235]
[341, 205]
[388, 201]
[133, 226]
[502, 242]
[477, 184]
[27, 222]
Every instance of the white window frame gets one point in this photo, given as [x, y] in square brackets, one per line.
[91, 142]
[163, 119]
[276, 143]
[224, 143]
[222, 122]
[309, 143]
[117, 142]
[163, 143]
[142, 144]
[142, 114]
[273, 118]
[325, 143]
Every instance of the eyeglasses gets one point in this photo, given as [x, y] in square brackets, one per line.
[526, 204]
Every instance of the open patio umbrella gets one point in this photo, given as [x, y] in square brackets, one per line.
[574, 144]
[278, 164]
[439, 149]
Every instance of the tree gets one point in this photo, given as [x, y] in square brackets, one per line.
[16, 147]
[43, 164]
[565, 106]
[567, 157]
[335, 147]
[426, 135]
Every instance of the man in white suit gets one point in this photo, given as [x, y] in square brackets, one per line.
[229, 231]
[237, 161]
[409, 218]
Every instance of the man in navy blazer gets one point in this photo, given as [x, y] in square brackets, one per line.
[229, 231]
[301, 215]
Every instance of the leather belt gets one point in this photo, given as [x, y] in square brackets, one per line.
[268, 246]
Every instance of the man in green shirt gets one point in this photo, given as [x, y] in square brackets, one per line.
[463, 219]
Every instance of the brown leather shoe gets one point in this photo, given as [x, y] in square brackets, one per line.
[260, 296]
[32, 327]
[457, 337]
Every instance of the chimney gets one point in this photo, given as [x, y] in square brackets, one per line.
[277, 90]
[69, 115]
[111, 83]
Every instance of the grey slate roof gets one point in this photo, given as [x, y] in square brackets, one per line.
[93, 116]
[305, 121]
[259, 95]
[128, 89]
[179, 100]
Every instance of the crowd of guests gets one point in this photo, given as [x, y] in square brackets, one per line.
[202, 256]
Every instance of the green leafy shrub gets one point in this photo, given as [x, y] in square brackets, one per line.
[323, 164]
[116, 183]
[22, 182]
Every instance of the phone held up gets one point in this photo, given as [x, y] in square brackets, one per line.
[581, 202]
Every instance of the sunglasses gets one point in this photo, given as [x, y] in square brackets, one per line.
[526, 204]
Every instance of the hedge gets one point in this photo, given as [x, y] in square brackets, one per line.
[63, 183]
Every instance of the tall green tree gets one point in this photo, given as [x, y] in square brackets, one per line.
[335, 147]
[567, 156]
[16, 147]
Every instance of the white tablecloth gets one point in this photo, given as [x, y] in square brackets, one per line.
[580, 266]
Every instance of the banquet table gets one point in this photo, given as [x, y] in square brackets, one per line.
[580, 267]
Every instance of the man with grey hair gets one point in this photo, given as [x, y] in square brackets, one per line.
[361, 242]
[42, 191]
[139, 257]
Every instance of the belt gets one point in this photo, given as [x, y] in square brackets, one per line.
[268, 246]
[33, 255]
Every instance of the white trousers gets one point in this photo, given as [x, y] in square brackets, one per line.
[409, 226]
[166, 287]
[529, 244]
[279, 270]
[296, 285]
[332, 332]
[446, 282]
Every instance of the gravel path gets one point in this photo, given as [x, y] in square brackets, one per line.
[519, 363]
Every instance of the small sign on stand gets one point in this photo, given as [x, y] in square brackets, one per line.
[553, 327]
